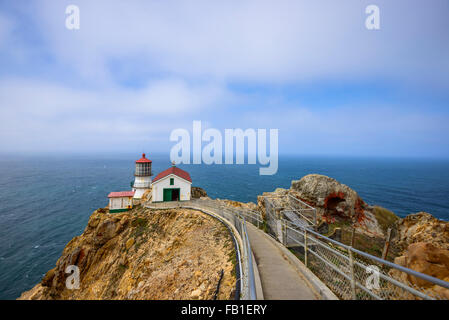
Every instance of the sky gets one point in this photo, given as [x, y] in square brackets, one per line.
[136, 70]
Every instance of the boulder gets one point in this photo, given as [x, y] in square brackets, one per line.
[426, 258]
[104, 232]
[334, 202]
[422, 227]
[197, 192]
[329, 195]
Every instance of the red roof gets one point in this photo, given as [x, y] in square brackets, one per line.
[143, 159]
[121, 194]
[173, 170]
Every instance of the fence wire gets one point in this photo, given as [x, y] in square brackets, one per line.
[350, 273]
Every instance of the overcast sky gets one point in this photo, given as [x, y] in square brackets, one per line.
[136, 70]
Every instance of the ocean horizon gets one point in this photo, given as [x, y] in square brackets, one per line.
[46, 200]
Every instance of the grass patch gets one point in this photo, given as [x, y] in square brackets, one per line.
[342, 224]
[264, 226]
[385, 217]
[122, 268]
[141, 227]
[232, 257]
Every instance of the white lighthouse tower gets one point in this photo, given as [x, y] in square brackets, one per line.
[142, 181]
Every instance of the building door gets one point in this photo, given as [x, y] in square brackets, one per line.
[171, 194]
[167, 194]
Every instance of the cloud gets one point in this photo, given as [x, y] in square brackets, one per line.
[259, 41]
[51, 113]
[137, 69]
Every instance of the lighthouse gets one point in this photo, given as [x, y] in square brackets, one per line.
[142, 181]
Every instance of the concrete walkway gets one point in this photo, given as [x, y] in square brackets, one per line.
[279, 278]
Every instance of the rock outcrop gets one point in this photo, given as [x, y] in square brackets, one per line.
[330, 196]
[424, 241]
[145, 254]
[334, 201]
[422, 227]
[197, 192]
[426, 258]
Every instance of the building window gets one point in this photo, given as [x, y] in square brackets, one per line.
[172, 181]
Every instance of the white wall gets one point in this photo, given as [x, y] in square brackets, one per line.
[139, 186]
[119, 203]
[160, 185]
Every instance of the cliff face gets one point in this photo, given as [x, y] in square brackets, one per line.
[424, 241]
[422, 227]
[145, 254]
[420, 241]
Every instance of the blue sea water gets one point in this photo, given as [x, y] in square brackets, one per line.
[46, 200]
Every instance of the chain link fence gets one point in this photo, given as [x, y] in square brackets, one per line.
[348, 272]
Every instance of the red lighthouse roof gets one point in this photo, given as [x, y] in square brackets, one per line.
[143, 159]
[173, 170]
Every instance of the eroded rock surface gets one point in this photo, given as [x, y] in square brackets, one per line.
[422, 227]
[426, 258]
[145, 254]
[197, 192]
[333, 200]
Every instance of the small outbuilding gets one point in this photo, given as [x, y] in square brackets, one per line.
[173, 184]
[120, 201]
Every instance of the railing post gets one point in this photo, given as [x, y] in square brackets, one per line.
[387, 245]
[284, 232]
[352, 236]
[351, 265]
[305, 249]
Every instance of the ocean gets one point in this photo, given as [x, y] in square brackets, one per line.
[46, 200]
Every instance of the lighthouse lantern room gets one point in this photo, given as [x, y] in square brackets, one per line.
[142, 181]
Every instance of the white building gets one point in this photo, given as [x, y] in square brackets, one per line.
[142, 181]
[120, 201]
[173, 184]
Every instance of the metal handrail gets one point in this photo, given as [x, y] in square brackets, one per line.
[252, 281]
[320, 240]
[411, 272]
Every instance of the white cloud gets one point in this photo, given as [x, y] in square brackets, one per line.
[36, 114]
[178, 59]
[262, 41]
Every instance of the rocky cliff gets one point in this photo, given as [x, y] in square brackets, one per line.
[424, 244]
[145, 254]
[419, 242]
